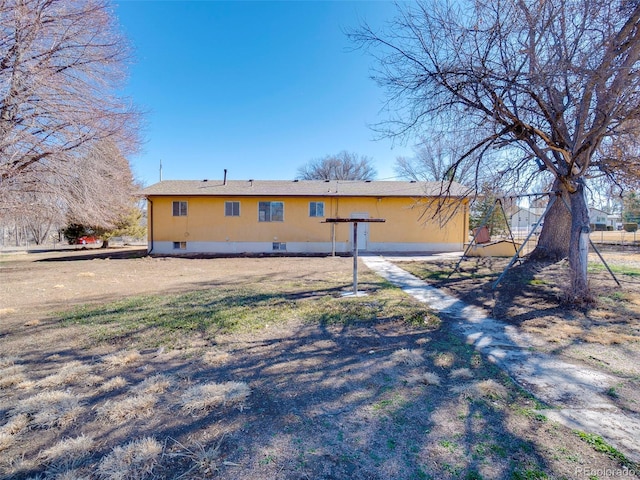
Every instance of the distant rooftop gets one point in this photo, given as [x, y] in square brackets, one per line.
[294, 188]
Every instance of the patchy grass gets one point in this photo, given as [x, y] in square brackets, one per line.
[135, 460]
[617, 269]
[205, 460]
[12, 375]
[158, 383]
[599, 445]
[462, 373]
[426, 378]
[486, 388]
[202, 398]
[130, 408]
[70, 373]
[413, 357]
[69, 450]
[123, 358]
[161, 320]
[112, 384]
[216, 357]
[293, 381]
[49, 409]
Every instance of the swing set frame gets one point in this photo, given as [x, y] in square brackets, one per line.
[553, 196]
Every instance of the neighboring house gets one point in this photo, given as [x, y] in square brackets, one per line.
[524, 219]
[597, 216]
[612, 221]
[235, 217]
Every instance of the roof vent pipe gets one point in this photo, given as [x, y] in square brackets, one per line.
[224, 181]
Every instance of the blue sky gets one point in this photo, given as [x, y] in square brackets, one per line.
[258, 88]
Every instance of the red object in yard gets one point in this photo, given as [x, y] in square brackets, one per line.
[481, 235]
[86, 239]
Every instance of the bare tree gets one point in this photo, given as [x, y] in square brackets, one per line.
[96, 191]
[436, 160]
[61, 64]
[100, 198]
[546, 83]
[343, 166]
[39, 219]
[38, 214]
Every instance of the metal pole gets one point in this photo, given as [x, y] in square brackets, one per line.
[333, 239]
[604, 263]
[517, 255]
[506, 220]
[593, 245]
[484, 222]
[355, 258]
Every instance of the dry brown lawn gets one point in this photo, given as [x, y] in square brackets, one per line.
[106, 372]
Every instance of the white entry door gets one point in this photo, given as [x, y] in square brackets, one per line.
[363, 231]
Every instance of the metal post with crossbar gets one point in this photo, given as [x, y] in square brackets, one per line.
[355, 222]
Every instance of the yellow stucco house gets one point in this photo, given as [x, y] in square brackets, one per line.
[268, 216]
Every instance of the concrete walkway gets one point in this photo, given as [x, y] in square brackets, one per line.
[575, 393]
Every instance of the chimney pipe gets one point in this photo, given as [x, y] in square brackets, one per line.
[224, 182]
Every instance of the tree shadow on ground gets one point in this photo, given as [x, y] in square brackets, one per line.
[80, 254]
[603, 335]
[363, 396]
[529, 290]
[328, 400]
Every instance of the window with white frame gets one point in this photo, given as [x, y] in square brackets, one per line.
[231, 209]
[271, 211]
[179, 209]
[316, 209]
[180, 245]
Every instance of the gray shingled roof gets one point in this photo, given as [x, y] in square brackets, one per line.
[292, 188]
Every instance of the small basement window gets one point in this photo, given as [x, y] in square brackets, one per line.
[179, 245]
[279, 247]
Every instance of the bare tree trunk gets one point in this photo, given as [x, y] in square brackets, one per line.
[555, 237]
[565, 233]
[579, 245]
[39, 229]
